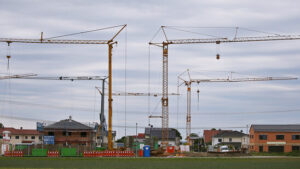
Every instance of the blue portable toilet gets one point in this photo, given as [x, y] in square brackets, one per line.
[146, 151]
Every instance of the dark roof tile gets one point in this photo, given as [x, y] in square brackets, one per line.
[68, 124]
[230, 134]
[157, 132]
[276, 128]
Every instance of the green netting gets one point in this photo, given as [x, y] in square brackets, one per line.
[39, 152]
[68, 152]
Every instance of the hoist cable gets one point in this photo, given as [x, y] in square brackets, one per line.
[149, 78]
[125, 81]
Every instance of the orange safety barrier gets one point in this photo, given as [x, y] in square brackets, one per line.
[7, 153]
[14, 154]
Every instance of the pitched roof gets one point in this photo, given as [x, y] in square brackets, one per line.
[208, 134]
[141, 135]
[157, 132]
[68, 124]
[230, 134]
[20, 131]
[276, 128]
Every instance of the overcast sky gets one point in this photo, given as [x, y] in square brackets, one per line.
[221, 105]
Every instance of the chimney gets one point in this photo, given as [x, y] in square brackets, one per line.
[70, 118]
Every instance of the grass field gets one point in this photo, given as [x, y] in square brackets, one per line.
[152, 163]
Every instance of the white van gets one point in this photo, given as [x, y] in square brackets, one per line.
[224, 149]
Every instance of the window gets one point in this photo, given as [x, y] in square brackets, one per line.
[230, 139]
[40, 138]
[279, 137]
[277, 149]
[1, 137]
[67, 133]
[251, 136]
[26, 137]
[263, 137]
[83, 134]
[17, 137]
[295, 148]
[32, 137]
[219, 140]
[295, 137]
[261, 148]
[50, 133]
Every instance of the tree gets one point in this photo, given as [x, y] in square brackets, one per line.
[177, 133]
[194, 135]
[121, 140]
[1, 125]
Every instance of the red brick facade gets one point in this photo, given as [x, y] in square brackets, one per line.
[72, 137]
[264, 141]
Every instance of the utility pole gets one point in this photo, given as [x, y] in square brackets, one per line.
[136, 126]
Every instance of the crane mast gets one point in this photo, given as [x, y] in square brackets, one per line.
[167, 42]
[110, 42]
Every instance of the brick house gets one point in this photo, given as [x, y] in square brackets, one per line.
[208, 134]
[274, 138]
[69, 132]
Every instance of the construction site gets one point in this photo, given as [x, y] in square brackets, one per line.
[126, 96]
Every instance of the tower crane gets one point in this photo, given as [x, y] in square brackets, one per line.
[188, 83]
[165, 53]
[17, 76]
[110, 42]
[35, 77]
[134, 93]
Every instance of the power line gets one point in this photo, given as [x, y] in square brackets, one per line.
[120, 126]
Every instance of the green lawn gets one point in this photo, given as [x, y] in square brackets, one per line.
[151, 163]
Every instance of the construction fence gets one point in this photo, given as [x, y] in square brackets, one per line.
[60, 151]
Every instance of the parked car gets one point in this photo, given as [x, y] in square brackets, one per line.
[224, 149]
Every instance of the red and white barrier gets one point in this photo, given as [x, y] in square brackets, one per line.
[107, 153]
[52, 154]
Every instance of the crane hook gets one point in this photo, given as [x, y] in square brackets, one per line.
[218, 49]
[8, 56]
